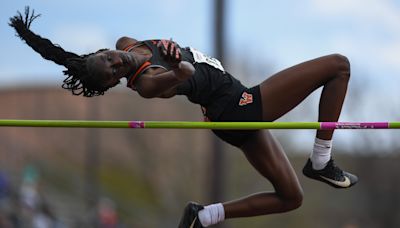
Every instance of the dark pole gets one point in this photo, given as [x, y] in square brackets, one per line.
[92, 163]
[218, 157]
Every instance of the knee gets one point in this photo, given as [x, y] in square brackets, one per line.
[341, 65]
[295, 200]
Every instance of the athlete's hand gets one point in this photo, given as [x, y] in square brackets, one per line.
[170, 51]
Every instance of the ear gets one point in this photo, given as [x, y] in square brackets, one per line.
[125, 42]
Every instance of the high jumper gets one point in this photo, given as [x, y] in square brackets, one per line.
[161, 68]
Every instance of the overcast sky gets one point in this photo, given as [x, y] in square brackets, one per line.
[277, 33]
[284, 32]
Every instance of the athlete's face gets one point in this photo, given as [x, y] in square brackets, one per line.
[110, 66]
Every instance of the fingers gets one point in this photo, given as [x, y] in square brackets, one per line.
[178, 54]
[170, 47]
[162, 47]
[170, 51]
[174, 51]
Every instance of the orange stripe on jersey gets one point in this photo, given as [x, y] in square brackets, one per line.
[141, 68]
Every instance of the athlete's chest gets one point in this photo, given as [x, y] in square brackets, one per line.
[152, 71]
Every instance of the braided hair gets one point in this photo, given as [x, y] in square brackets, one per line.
[78, 78]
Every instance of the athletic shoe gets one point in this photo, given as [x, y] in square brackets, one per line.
[190, 218]
[331, 175]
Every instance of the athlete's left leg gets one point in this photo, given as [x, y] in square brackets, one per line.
[267, 156]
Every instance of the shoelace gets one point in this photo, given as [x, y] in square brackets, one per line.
[334, 170]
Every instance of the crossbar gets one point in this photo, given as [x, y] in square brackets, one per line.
[197, 125]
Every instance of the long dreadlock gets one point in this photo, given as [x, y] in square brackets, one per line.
[79, 80]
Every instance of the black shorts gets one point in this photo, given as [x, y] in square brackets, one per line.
[246, 106]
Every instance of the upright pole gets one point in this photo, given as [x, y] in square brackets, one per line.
[218, 156]
[92, 161]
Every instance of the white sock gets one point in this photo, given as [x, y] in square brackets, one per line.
[321, 153]
[212, 214]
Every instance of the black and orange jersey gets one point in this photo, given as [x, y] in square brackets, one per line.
[210, 86]
[156, 60]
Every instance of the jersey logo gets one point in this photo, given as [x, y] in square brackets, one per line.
[246, 99]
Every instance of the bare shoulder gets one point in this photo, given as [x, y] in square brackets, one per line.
[124, 42]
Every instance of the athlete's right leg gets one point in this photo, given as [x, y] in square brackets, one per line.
[286, 89]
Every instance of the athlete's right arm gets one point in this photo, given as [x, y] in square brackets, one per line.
[153, 84]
